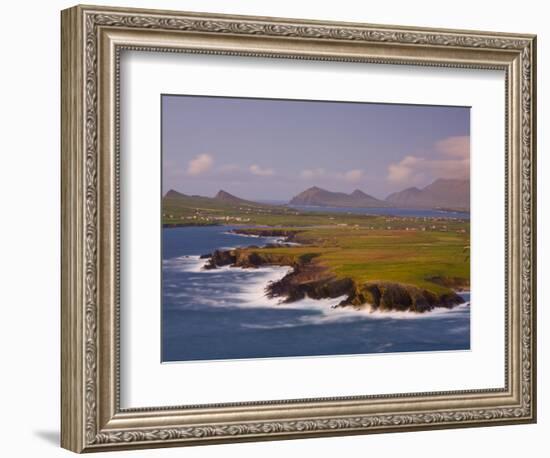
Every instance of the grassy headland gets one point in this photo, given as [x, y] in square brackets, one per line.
[426, 259]
[426, 256]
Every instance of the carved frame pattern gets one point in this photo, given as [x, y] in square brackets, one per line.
[89, 21]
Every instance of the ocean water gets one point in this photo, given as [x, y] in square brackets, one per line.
[224, 313]
[388, 211]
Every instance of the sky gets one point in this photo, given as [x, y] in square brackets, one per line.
[270, 149]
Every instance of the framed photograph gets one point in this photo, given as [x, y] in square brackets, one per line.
[278, 228]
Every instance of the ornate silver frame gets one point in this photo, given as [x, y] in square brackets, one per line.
[92, 38]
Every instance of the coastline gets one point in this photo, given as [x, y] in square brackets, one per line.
[309, 279]
[255, 296]
[225, 312]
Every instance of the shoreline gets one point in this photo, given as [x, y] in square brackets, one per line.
[308, 279]
[330, 310]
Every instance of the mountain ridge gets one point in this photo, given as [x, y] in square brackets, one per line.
[441, 193]
[221, 198]
[173, 194]
[317, 196]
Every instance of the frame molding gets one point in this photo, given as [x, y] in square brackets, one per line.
[92, 39]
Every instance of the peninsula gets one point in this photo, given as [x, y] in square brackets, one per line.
[365, 267]
[404, 263]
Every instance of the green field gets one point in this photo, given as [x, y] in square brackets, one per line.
[401, 256]
[407, 250]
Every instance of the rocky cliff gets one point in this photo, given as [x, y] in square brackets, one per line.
[308, 278]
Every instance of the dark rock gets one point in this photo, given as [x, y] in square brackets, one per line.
[395, 297]
[251, 260]
[388, 296]
[310, 279]
[449, 300]
[220, 258]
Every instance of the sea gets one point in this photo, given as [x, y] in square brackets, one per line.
[225, 314]
[388, 211]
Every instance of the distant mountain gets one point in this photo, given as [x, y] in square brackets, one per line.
[442, 193]
[224, 196]
[323, 198]
[174, 195]
[222, 199]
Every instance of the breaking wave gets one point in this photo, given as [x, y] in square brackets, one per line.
[235, 287]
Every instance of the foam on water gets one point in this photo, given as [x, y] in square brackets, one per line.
[248, 289]
[184, 264]
[268, 239]
[225, 313]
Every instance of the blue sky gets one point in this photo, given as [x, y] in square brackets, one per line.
[274, 149]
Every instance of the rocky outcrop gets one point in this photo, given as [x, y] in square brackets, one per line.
[220, 258]
[250, 258]
[308, 278]
[387, 296]
[316, 282]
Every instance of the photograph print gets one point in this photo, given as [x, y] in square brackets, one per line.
[301, 228]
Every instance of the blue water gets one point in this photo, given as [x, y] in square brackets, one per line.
[387, 211]
[224, 314]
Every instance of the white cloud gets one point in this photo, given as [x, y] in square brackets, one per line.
[458, 146]
[454, 168]
[311, 174]
[454, 163]
[257, 170]
[200, 164]
[405, 170]
[353, 176]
